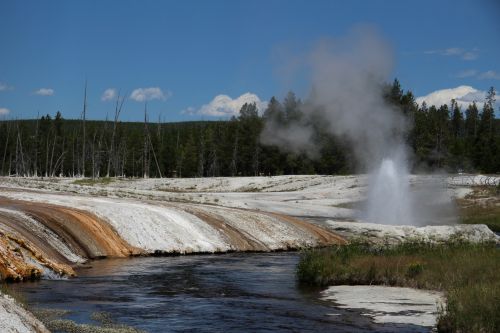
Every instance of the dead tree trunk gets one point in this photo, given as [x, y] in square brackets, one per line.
[201, 156]
[99, 151]
[20, 167]
[93, 155]
[234, 159]
[256, 160]
[84, 116]
[213, 169]
[62, 156]
[111, 155]
[73, 158]
[154, 155]
[51, 169]
[145, 153]
[5, 148]
[59, 164]
[36, 145]
[159, 136]
[47, 156]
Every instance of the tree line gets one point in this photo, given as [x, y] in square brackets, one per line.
[440, 137]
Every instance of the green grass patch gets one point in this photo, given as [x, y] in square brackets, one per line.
[95, 181]
[468, 274]
[488, 214]
[350, 205]
[54, 320]
[482, 206]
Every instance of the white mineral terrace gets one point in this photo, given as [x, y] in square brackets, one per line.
[389, 304]
[15, 319]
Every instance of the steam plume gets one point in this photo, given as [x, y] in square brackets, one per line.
[348, 78]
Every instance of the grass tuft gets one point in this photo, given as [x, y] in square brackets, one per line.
[482, 206]
[489, 215]
[95, 181]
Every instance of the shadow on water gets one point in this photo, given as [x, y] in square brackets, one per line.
[233, 293]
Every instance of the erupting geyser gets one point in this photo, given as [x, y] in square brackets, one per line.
[389, 198]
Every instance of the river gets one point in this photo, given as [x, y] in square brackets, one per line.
[239, 292]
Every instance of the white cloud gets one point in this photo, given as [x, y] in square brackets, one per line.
[466, 73]
[4, 86]
[464, 95]
[4, 111]
[472, 73]
[108, 94]
[446, 52]
[149, 94]
[471, 54]
[189, 110]
[225, 106]
[45, 92]
[452, 51]
[489, 75]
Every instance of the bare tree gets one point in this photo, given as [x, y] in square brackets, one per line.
[73, 157]
[98, 159]
[154, 155]
[213, 158]
[47, 156]
[158, 128]
[93, 156]
[111, 155]
[51, 170]
[133, 164]
[84, 116]
[20, 166]
[159, 138]
[234, 158]
[36, 144]
[201, 155]
[5, 148]
[145, 152]
[123, 152]
[256, 160]
[148, 147]
[59, 164]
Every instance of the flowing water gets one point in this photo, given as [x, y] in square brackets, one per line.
[206, 293]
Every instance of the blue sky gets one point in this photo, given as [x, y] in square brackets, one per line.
[181, 56]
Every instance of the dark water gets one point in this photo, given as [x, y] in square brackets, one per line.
[209, 293]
